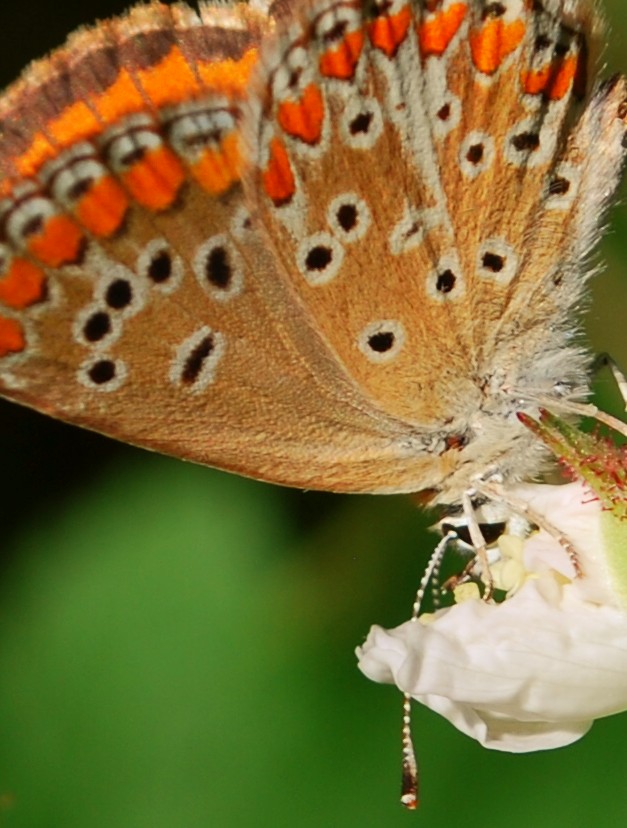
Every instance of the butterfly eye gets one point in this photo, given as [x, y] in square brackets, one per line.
[381, 341]
[97, 327]
[349, 217]
[103, 374]
[218, 268]
[446, 282]
[319, 258]
[476, 154]
[497, 260]
[119, 294]
[493, 262]
[559, 186]
[160, 266]
[362, 123]
[196, 360]
[525, 146]
[525, 141]
[562, 187]
[446, 114]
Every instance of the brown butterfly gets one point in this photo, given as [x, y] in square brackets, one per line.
[334, 245]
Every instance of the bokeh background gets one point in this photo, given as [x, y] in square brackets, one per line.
[176, 644]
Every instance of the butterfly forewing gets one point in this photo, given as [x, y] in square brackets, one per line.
[297, 243]
[155, 313]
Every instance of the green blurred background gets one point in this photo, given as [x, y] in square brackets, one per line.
[176, 644]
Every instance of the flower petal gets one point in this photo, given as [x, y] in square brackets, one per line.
[528, 674]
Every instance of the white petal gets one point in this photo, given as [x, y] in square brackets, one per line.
[528, 674]
[572, 509]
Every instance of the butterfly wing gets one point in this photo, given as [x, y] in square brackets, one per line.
[422, 170]
[138, 297]
[195, 258]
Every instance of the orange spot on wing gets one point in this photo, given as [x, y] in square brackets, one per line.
[23, 284]
[170, 81]
[12, 339]
[75, 123]
[78, 122]
[387, 33]
[303, 119]
[278, 178]
[59, 242]
[40, 151]
[120, 99]
[493, 42]
[103, 207]
[218, 169]
[230, 77]
[155, 179]
[436, 32]
[553, 80]
[341, 62]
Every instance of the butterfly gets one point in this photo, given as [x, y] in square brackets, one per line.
[331, 245]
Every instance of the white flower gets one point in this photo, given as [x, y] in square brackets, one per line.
[533, 672]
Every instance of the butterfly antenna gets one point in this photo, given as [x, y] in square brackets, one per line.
[409, 780]
[409, 784]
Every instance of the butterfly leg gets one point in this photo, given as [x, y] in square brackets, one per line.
[496, 492]
[589, 409]
[478, 542]
[467, 574]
